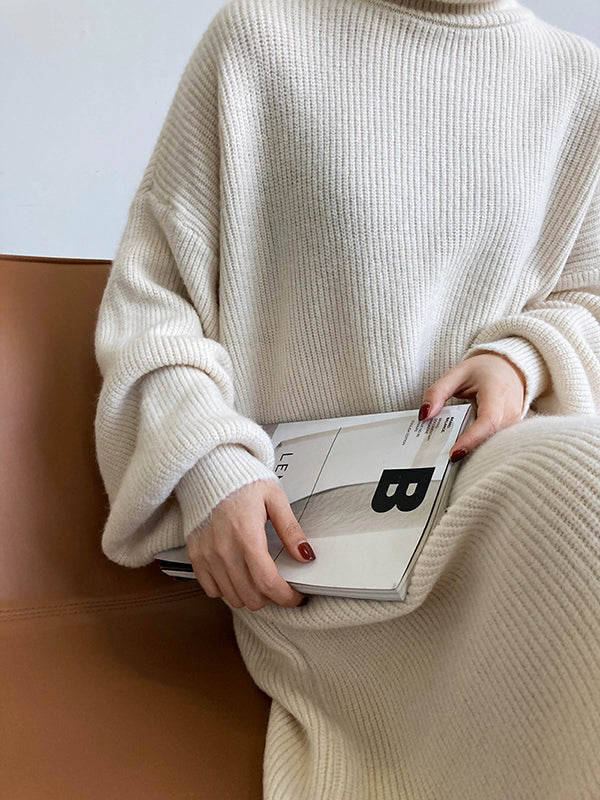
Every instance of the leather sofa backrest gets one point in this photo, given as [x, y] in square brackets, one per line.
[51, 493]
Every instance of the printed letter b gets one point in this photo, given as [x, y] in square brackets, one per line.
[404, 478]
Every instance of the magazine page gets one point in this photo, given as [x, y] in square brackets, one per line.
[363, 490]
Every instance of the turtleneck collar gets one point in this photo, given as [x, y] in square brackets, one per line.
[465, 13]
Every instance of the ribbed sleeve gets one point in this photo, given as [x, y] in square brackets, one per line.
[555, 342]
[167, 405]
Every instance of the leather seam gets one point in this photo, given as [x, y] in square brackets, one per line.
[96, 606]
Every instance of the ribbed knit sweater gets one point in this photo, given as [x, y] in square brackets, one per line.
[347, 198]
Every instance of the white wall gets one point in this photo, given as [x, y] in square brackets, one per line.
[85, 87]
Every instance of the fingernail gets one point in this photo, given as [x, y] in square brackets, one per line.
[303, 602]
[458, 454]
[424, 411]
[306, 551]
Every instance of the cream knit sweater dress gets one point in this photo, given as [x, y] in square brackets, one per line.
[347, 198]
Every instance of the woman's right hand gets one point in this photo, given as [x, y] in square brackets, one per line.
[229, 551]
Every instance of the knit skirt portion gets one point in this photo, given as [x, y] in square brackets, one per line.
[485, 683]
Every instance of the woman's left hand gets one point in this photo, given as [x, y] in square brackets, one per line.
[497, 387]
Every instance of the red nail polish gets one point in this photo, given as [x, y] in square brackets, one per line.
[458, 454]
[303, 602]
[306, 551]
[424, 411]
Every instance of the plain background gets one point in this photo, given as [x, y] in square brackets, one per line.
[85, 87]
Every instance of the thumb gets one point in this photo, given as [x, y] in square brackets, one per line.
[287, 526]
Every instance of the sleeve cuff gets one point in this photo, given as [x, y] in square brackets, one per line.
[526, 358]
[221, 471]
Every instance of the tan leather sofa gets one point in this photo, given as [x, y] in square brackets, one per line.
[115, 683]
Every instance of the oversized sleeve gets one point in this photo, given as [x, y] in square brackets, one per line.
[555, 341]
[170, 443]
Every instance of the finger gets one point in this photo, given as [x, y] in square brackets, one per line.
[225, 586]
[287, 526]
[205, 580]
[489, 420]
[269, 582]
[436, 396]
[246, 587]
[202, 574]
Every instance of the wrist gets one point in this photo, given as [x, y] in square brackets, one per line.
[510, 362]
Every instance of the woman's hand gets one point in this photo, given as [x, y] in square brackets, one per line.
[496, 385]
[229, 552]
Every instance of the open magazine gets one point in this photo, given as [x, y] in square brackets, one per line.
[366, 490]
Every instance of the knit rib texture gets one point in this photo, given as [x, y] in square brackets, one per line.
[347, 198]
